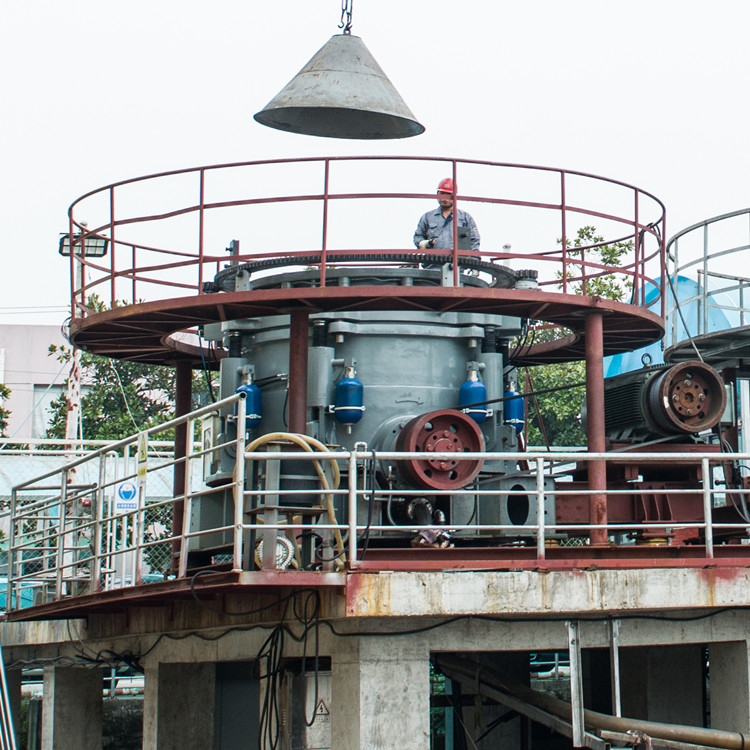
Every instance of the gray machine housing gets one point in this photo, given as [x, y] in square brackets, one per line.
[410, 363]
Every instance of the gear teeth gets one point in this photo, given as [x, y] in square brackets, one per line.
[223, 281]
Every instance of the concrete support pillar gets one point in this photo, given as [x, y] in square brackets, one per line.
[595, 432]
[178, 706]
[663, 683]
[381, 695]
[730, 686]
[72, 709]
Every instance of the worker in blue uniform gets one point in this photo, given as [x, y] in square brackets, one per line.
[435, 228]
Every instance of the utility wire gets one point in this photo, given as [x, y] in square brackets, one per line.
[38, 404]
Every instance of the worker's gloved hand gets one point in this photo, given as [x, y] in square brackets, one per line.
[425, 244]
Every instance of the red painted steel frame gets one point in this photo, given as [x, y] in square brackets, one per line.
[143, 330]
[298, 348]
[570, 270]
[595, 432]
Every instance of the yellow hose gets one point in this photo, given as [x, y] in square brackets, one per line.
[307, 443]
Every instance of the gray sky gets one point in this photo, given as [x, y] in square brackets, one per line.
[94, 91]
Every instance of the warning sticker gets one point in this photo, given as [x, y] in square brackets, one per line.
[142, 458]
[126, 498]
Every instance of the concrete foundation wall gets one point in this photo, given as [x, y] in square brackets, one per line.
[380, 674]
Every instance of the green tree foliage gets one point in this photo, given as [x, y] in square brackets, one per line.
[121, 398]
[588, 247]
[4, 413]
[554, 418]
[560, 410]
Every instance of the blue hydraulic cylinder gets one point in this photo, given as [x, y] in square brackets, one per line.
[253, 406]
[514, 410]
[350, 396]
[473, 391]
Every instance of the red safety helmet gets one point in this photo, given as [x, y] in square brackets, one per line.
[445, 186]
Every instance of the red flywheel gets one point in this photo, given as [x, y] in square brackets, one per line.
[442, 431]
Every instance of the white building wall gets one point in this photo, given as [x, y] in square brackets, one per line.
[28, 370]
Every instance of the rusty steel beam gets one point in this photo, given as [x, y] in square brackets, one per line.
[595, 432]
[624, 326]
[298, 350]
[183, 405]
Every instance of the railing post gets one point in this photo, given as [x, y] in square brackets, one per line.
[639, 296]
[614, 663]
[96, 570]
[564, 238]
[132, 258]
[576, 684]
[455, 226]
[663, 263]
[707, 507]
[324, 240]
[703, 324]
[239, 485]
[73, 275]
[111, 524]
[13, 565]
[540, 545]
[61, 535]
[674, 315]
[112, 292]
[201, 226]
[139, 515]
[353, 562]
[187, 508]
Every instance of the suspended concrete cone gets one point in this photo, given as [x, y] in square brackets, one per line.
[341, 93]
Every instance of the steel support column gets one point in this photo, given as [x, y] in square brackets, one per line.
[597, 470]
[183, 405]
[298, 348]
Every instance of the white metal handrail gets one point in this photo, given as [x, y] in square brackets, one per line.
[73, 540]
[708, 252]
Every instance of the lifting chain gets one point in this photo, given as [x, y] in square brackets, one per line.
[347, 7]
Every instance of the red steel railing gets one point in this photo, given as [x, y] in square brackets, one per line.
[155, 254]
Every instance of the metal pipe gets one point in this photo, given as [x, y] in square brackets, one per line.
[187, 504]
[201, 228]
[13, 559]
[324, 244]
[112, 291]
[479, 674]
[238, 490]
[540, 543]
[61, 535]
[576, 684]
[614, 665]
[639, 296]
[352, 477]
[707, 507]
[99, 499]
[455, 226]
[595, 432]
[564, 239]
